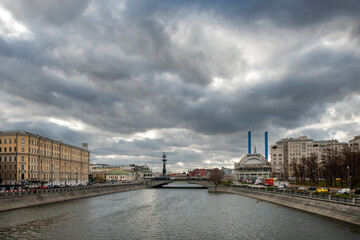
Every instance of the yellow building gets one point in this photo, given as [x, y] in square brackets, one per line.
[30, 159]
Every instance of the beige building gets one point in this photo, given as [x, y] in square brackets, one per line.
[287, 150]
[355, 143]
[119, 176]
[30, 159]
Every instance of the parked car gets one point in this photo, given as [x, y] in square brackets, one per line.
[323, 190]
[357, 191]
[344, 191]
[302, 189]
[42, 187]
[312, 188]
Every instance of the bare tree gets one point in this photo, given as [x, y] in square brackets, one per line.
[216, 176]
[312, 169]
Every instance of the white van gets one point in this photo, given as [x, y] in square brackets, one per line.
[344, 191]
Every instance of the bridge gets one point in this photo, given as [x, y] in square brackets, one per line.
[158, 183]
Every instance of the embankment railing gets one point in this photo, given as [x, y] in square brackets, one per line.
[326, 197]
[29, 192]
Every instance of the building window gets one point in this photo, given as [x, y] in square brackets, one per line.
[22, 158]
[14, 149]
[22, 149]
[22, 167]
[22, 140]
[4, 140]
[9, 140]
[4, 149]
[9, 149]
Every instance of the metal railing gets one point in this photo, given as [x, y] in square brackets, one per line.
[325, 197]
[29, 192]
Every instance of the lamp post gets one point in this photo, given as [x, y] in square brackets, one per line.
[349, 183]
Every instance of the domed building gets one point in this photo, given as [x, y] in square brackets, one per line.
[253, 165]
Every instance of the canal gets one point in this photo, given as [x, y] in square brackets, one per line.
[169, 214]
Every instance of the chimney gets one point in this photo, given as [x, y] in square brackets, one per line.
[249, 142]
[85, 146]
[266, 145]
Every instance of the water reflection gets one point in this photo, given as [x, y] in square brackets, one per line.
[169, 214]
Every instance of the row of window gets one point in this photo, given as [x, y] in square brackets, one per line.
[8, 159]
[7, 140]
[8, 167]
[7, 175]
[11, 149]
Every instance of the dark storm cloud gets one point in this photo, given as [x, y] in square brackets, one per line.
[124, 67]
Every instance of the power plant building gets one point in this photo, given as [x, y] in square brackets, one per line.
[253, 165]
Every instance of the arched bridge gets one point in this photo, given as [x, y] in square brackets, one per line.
[158, 183]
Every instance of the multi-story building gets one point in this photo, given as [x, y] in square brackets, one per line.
[33, 160]
[141, 172]
[288, 150]
[198, 173]
[119, 176]
[355, 143]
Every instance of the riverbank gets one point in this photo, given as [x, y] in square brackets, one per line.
[347, 212]
[27, 199]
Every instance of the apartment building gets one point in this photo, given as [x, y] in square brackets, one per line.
[288, 150]
[33, 160]
[355, 143]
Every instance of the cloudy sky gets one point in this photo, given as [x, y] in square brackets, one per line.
[189, 78]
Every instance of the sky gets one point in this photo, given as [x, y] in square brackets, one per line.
[135, 78]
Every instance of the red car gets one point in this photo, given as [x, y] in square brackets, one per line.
[42, 187]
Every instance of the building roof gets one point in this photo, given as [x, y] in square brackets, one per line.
[119, 173]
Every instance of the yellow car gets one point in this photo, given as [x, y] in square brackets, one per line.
[323, 190]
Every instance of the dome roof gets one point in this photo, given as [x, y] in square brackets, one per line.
[252, 159]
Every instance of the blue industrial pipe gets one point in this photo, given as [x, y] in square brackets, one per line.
[249, 142]
[266, 145]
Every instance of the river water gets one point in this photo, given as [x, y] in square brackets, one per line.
[169, 214]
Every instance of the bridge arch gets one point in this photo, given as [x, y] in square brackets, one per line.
[159, 183]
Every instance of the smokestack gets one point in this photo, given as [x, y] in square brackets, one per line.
[249, 142]
[266, 145]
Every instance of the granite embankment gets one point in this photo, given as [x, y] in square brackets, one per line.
[14, 200]
[348, 212]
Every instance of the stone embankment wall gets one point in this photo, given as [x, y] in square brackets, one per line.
[347, 212]
[27, 199]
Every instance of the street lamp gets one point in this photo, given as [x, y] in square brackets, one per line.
[348, 168]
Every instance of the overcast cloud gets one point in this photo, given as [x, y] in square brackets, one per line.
[189, 78]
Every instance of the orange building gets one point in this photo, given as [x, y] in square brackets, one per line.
[30, 159]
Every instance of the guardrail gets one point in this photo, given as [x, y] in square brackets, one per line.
[29, 192]
[327, 197]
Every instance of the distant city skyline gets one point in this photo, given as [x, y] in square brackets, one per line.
[135, 78]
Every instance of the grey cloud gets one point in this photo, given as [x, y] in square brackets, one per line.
[120, 72]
